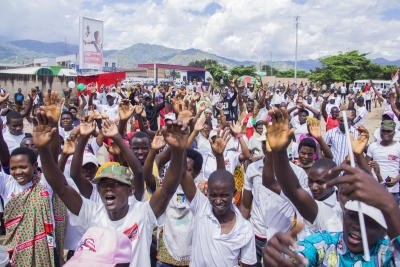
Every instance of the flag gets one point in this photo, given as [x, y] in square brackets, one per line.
[395, 78]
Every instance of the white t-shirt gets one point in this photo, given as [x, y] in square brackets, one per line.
[270, 213]
[362, 113]
[65, 134]
[388, 158]
[234, 144]
[328, 107]
[343, 89]
[138, 225]
[209, 247]
[111, 111]
[13, 141]
[231, 159]
[300, 129]
[202, 142]
[338, 100]
[87, 101]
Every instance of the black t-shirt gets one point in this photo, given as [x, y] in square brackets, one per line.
[151, 115]
[19, 98]
[227, 105]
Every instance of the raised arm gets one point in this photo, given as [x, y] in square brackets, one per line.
[279, 136]
[380, 97]
[87, 127]
[236, 128]
[110, 130]
[187, 183]
[125, 110]
[218, 147]
[176, 135]
[157, 144]
[268, 176]
[140, 114]
[68, 149]
[197, 128]
[42, 135]
[314, 128]
[28, 108]
[4, 152]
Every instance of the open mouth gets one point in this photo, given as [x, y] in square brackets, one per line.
[354, 238]
[109, 199]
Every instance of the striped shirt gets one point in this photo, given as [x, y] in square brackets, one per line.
[338, 142]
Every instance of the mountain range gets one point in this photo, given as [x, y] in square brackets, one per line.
[24, 51]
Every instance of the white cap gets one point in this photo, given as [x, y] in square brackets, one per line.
[110, 94]
[368, 210]
[170, 116]
[89, 158]
[213, 133]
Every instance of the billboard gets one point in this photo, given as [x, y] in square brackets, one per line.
[91, 44]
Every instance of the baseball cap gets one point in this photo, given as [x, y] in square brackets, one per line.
[110, 94]
[102, 247]
[113, 171]
[245, 94]
[89, 158]
[388, 125]
[331, 97]
[146, 95]
[314, 89]
[170, 116]
[213, 133]
[368, 210]
[388, 113]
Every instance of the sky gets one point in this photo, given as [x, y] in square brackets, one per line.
[236, 29]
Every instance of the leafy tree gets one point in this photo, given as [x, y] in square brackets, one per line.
[267, 69]
[203, 63]
[243, 70]
[218, 73]
[290, 74]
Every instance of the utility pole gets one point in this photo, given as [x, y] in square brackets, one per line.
[65, 47]
[271, 64]
[297, 25]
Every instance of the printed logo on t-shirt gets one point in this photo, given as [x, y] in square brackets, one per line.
[227, 163]
[392, 157]
[87, 244]
[180, 198]
[133, 232]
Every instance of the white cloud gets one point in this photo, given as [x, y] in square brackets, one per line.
[243, 30]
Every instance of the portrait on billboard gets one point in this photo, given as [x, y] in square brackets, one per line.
[91, 43]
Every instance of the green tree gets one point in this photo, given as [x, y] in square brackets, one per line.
[218, 73]
[203, 63]
[267, 69]
[290, 74]
[344, 67]
[243, 70]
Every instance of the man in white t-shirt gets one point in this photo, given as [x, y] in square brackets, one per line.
[387, 115]
[318, 210]
[15, 132]
[221, 235]
[111, 109]
[114, 184]
[270, 212]
[387, 154]
[361, 112]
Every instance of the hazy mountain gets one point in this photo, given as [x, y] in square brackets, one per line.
[26, 50]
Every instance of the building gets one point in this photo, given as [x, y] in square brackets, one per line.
[72, 62]
[187, 73]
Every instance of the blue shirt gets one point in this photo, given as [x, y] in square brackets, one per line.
[329, 249]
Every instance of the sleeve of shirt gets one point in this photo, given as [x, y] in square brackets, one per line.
[199, 204]
[248, 183]
[327, 137]
[369, 151]
[3, 181]
[395, 247]
[308, 250]
[150, 217]
[87, 212]
[248, 253]
[95, 147]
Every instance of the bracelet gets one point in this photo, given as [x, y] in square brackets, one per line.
[238, 136]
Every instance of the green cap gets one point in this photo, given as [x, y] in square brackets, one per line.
[115, 172]
[388, 125]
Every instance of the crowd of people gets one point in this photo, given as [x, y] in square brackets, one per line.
[198, 176]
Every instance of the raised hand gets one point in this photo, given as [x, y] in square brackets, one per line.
[202, 107]
[314, 128]
[4, 97]
[220, 141]
[196, 97]
[113, 149]
[281, 243]
[278, 133]
[109, 129]
[87, 126]
[43, 130]
[360, 143]
[375, 166]
[326, 95]
[52, 106]
[70, 143]
[236, 127]
[125, 110]
[118, 89]
[158, 141]
[199, 124]
[186, 116]
[176, 134]
[94, 114]
[32, 94]
[92, 88]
